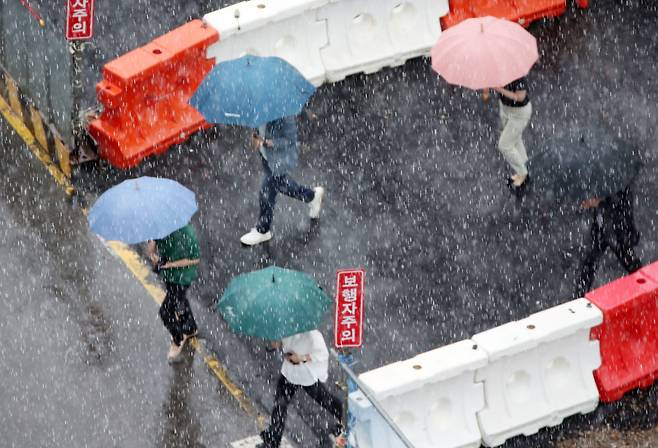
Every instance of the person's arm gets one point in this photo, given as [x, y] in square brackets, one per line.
[517, 96]
[182, 263]
[152, 252]
[318, 352]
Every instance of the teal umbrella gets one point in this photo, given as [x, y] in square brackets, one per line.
[273, 303]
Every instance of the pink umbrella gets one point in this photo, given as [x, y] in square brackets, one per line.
[484, 52]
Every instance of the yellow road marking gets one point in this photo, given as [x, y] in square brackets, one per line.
[12, 90]
[37, 126]
[22, 130]
[131, 259]
[135, 264]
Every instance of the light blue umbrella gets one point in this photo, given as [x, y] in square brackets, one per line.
[146, 208]
[251, 91]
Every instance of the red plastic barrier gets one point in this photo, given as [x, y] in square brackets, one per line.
[629, 334]
[145, 94]
[521, 11]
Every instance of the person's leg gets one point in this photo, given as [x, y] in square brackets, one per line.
[274, 433]
[588, 267]
[168, 313]
[627, 257]
[327, 400]
[508, 143]
[267, 200]
[524, 115]
[285, 185]
[186, 321]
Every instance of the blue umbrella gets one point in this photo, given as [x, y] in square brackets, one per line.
[251, 91]
[146, 208]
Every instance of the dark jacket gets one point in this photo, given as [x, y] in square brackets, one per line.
[283, 155]
[613, 222]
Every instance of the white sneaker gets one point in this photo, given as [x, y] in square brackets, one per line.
[255, 237]
[315, 205]
[174, 352]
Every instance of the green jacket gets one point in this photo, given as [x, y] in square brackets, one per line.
[181, 244]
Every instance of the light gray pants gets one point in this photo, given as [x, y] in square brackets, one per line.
[513, 121]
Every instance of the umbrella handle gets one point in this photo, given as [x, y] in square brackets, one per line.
[485, 95]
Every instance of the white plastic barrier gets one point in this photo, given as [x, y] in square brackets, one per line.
[284, 28]
[539, 371]
[432, 398]
[367, 35]
[328, 39]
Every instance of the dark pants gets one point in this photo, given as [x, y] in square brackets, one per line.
[285, 390]
[624, 252]
[176, 313]
[268, 191]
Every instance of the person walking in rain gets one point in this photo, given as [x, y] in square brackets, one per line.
[305, 366]
[277, 144]
[176, 258]
[613, 226]
[515, 112]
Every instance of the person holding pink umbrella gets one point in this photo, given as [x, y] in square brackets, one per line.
[484, 53]
[515, 113]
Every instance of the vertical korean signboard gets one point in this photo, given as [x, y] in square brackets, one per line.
[79, 19]
[348, 326]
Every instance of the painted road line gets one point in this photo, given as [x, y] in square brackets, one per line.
[141, 272]
[25, 134]
[131, 259]
[134, 263]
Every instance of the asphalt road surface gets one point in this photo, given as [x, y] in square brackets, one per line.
[416, 197]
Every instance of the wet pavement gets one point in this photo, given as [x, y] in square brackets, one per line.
[83, 352]
[416, 197]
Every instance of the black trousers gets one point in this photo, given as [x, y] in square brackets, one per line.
[624, 252]
[285, 390]
[176, 313]
[273, 185]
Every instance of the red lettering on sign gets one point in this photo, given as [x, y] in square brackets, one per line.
[348, 326]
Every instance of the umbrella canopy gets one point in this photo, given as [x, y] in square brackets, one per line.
[251, 90]
[273, 303]
[484, 52]
[146, 208]
[572, 170]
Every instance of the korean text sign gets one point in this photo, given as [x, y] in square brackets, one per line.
[348, 326]
[79, 19]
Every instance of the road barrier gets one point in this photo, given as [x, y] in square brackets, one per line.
[511, 380]
[540, 371]
[432, 397]
[285, 29]
[628, 336]
[145, 93]
[523, 12]
[368, 35]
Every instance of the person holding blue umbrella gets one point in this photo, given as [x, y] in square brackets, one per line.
[277, 144]
[175, 259]
[158, 211]
[264, 93]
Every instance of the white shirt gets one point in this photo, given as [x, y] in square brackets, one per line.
[308, 373]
